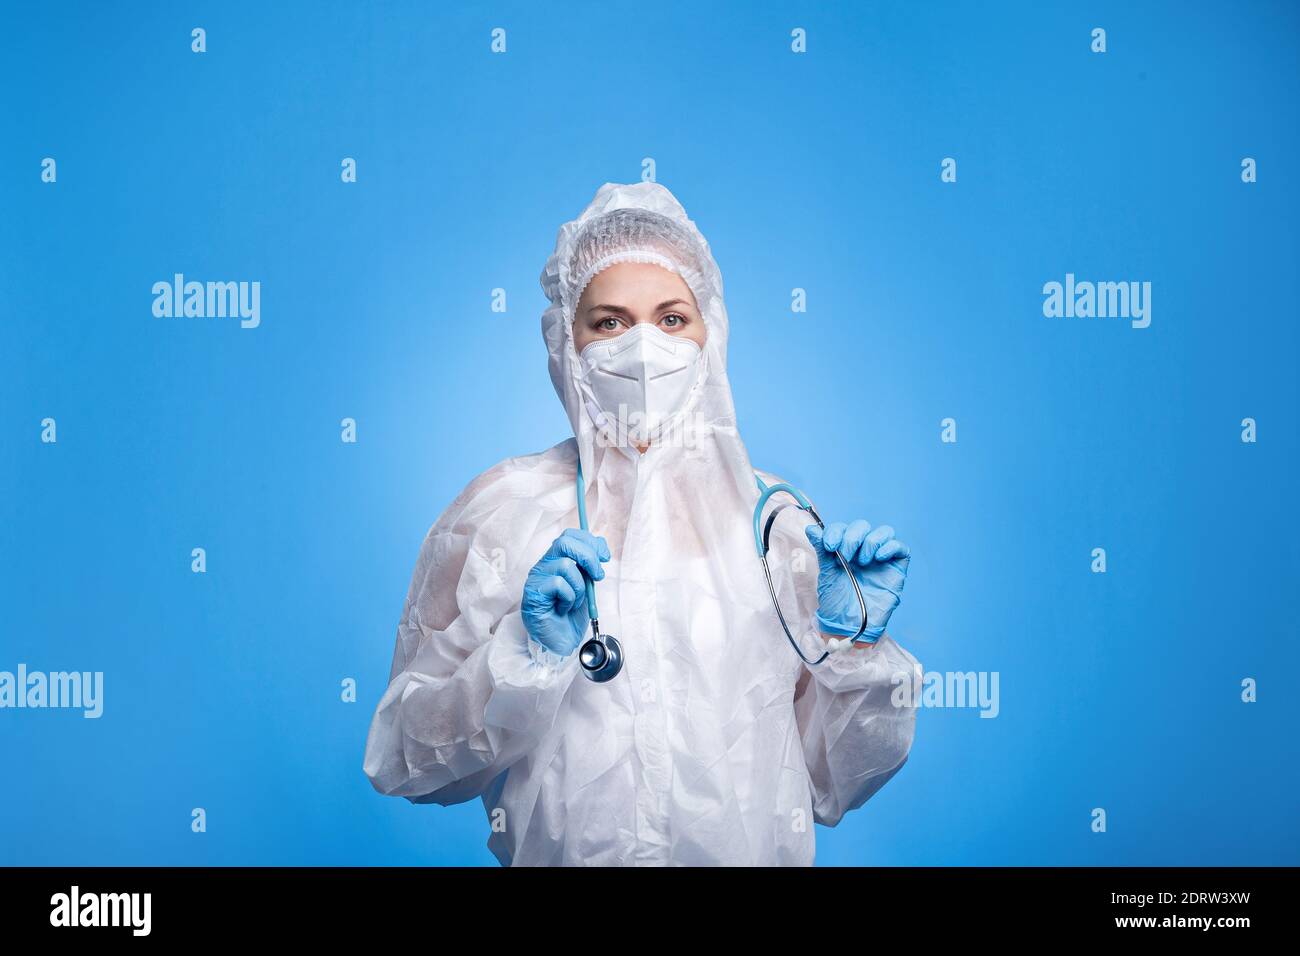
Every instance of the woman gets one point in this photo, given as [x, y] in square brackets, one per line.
[716, 744]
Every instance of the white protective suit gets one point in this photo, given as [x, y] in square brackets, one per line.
[716, 744]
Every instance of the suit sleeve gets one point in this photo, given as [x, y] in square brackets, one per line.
[469, 692]
[856, 723]
[856, 711]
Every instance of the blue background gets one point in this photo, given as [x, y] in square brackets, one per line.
[819, 171]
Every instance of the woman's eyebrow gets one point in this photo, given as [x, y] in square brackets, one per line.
[622, 310]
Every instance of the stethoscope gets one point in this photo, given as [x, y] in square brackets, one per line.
[601, 655]
[761, 539]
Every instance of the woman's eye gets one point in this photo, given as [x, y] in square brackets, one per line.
[607, 325]
[673, 321]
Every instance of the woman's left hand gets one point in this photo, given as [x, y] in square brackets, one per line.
[879, 562]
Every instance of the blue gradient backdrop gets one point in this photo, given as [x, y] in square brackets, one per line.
[818, 171]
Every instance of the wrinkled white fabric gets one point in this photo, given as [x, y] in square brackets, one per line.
[716, 744]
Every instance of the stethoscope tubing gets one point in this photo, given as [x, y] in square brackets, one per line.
[762, 542]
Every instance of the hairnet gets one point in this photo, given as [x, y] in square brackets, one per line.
[636, 235]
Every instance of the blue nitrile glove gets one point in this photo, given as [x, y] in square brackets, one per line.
[879, 562]
[554, 607]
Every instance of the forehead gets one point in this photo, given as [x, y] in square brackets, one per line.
[635, 282]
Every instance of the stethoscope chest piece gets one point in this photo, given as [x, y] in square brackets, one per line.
[601, 658]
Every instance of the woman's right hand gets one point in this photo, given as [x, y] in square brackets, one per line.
[554, 606]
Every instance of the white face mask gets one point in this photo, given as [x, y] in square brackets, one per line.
[641, 378]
